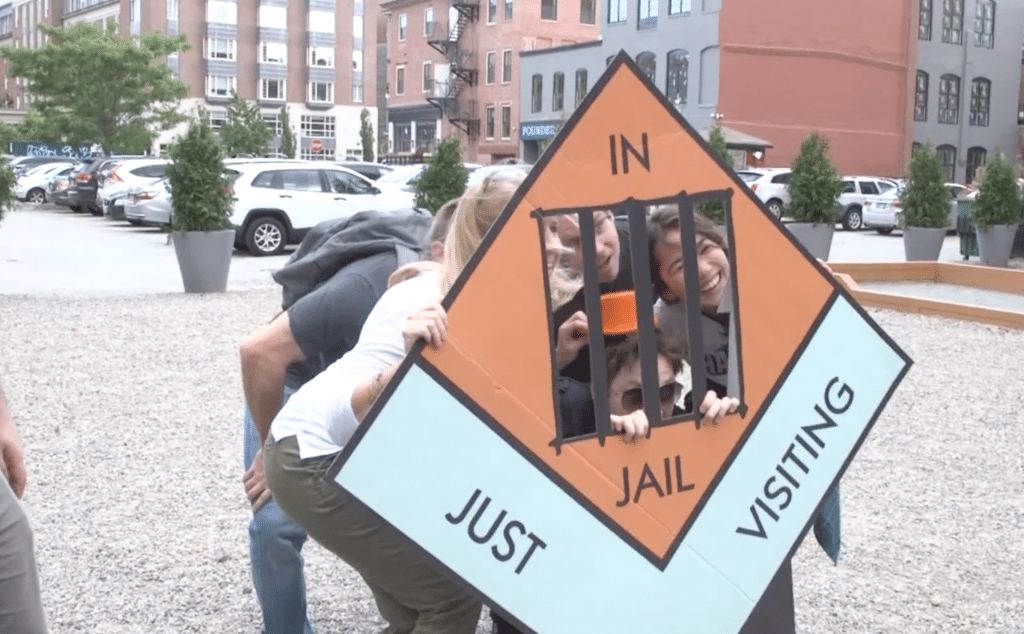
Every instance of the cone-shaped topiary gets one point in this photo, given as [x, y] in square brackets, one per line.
[200, 190]
[715, 210]
[814, 184]
[998, 201]
[926, 200]
[444, 178]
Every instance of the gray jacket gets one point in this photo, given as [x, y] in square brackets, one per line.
[333, 244]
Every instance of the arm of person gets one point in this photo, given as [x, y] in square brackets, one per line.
[12, 461]
[266, 355]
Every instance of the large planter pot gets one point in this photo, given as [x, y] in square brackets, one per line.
[204, 258]
[816, 237]
[995, 244]
[923, 243]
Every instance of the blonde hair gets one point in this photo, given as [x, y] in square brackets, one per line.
[477, 210]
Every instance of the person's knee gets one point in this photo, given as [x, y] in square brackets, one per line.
[270, 527]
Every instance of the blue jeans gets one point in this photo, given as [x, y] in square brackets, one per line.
[275, 555]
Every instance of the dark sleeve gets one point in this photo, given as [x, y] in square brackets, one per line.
[576, 407]
[713, 386]
[332, 315]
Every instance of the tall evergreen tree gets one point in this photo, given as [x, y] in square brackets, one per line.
[715, 209]
[287, 134]
[366, 134]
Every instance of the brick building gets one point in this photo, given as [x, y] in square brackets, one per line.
[453, 68]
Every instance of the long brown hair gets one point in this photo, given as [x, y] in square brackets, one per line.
[664, 219]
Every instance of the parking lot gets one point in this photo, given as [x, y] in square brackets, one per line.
[113, 257]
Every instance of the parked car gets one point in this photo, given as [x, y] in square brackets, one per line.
[31, 185]
[770, 185]
[405, 177]
[23, 164]
[123, 175]
[373, 171]
[276, 204]
[149, 204]
[57, 187]
[481, 173]
[883, 212]
[84, 194]
[858, 190]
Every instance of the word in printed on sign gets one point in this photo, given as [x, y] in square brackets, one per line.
[693, 521]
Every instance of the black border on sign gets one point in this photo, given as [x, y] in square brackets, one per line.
[415, 356]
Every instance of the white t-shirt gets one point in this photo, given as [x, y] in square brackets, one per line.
[320, 413]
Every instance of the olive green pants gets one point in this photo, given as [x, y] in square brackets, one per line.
[413, 596]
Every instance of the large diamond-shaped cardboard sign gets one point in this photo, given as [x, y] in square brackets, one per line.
[458, 454]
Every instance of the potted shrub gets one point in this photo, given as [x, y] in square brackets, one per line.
[814, 187]
[996, 212]
[926, 203]
[201, 206]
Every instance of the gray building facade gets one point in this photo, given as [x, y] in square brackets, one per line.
[968, 81]
[674, 42]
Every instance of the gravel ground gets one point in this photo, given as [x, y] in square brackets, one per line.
[130, 410]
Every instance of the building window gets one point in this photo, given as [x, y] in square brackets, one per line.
[426, 135]
[428, 76]
[548, 9]
[506, 66]
[321, 21]
[921, 97]
[581, 85]
[985, 25]
[492, 60]
[322, 56]
[947, 155]
[325, 154]
[216, 119]
[981, 92]
[273, 122]
[953, 21]
[217, 48]
[219, 86]
[508, 9]
[492, 11]
[274, 53]
[536, 93]
[975, 158]
[271, 17]
[677, 7]
[558, 92]
[272, 89]
[221, 12]
[321, 91]
[400, 80]
[6, 25]
[316, 126]
[489, 123]
[616, 11]
[648, 64]
[949, 99]
[428, 21]
[647, 14]
[172, 9]
[403, 137]
[403, 23]
[506, 121]
[677, 76]
[588, 13]
[924, 27]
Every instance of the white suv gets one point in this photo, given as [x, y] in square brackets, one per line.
[770, 185]
[276, 203]
[858, 192]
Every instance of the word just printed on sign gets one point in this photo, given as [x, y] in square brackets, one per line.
[696, 521]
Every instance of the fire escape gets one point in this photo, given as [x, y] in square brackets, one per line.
[461, 71]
